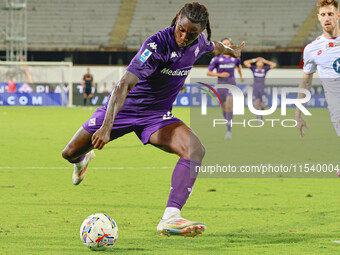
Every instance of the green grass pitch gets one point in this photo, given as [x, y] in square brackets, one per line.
[41, 211]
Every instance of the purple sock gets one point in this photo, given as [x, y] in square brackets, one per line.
[228, 116]
[182, 181]
[81, 158]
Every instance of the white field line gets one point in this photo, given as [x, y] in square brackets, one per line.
[156, 167]
[95, 168]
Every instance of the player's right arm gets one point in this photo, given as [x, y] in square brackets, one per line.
[306, 83]
[309, 67]
[143, 65]
[221, 75]
[117, 99]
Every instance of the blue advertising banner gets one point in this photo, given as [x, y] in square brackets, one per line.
[32, 99]
[194, 98]
[183, 99]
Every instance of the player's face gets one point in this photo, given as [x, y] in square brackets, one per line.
[259, 64]
[226, 43]
[329, 18]
[186, 32]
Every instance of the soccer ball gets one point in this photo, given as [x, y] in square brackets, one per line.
[99, 232]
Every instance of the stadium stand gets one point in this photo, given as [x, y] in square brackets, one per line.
[305, 29]
[123, 22]
[265, 24]
[71, 24]
[316, 32]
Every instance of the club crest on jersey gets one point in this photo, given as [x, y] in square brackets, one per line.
[197, 51]
[174, 54]
[153, 46]
[92, 122]
[168, 116]
[332, 44]
[336, 65]
[145, 55]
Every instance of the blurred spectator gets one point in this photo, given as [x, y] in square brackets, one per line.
[183, 89]
[104, 88]
[26, 70]
[11, 86]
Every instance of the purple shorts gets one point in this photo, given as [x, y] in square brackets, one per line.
[259, 94]
[224, 93]
[143, 124]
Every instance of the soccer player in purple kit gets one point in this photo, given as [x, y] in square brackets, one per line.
[259, 71]
[141, 102]
[225, 67]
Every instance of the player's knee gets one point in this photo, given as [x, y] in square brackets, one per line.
[200, 152]
[194, 151]
[67, 153]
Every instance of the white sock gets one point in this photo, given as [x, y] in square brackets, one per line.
[80, 164]
[171, 211]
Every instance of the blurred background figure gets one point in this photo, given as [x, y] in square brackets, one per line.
[184, 89]
[225, 68]
[259, 70]
[11, 86]
[88, 85]
[104, 89]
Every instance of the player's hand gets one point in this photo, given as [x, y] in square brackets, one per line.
[242, 79]
[223, 75]
[100, 138]
[237, 49]
[300, 124]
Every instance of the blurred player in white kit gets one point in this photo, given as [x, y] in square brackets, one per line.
[323, 55]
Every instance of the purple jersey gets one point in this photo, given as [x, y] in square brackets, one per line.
[162, 67]
[225, 64]
[259, 76]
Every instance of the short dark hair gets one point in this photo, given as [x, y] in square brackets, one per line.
[323, 3]
[196, 13]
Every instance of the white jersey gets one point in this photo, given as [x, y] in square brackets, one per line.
[323, 55]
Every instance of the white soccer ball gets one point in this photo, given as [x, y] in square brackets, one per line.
[99, 232]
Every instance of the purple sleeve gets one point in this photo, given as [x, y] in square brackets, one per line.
[212, 64]
[205, 45]
[267, 68]
[252, 68]
[238, 62]
[147, 58]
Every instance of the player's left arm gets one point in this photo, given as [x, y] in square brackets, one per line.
[93, 83]
[306, 83]
[221, 49]
[247, 63]
[270, 63]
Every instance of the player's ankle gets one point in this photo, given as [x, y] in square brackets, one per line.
[170, 212]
